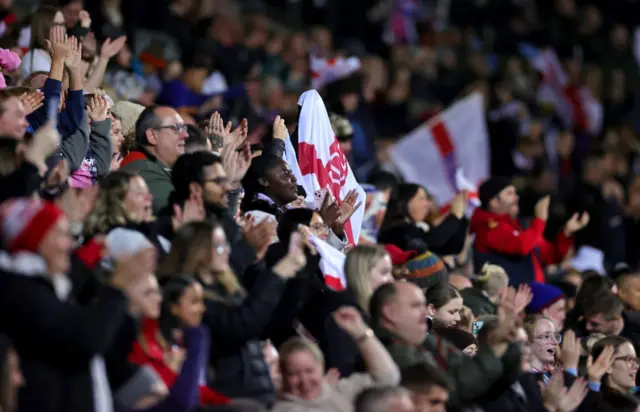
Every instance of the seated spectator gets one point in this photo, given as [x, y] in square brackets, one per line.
[302, 366]
[405, 224]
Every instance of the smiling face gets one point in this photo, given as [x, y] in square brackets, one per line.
[190, 307]
[418, 206]
[138, 200]
[449, 314]
[382, 272]
[622, 373]
[302, 375]
[281, 184]
[544, 342]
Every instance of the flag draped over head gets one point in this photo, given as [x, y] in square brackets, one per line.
[322, 163]
[449, 153]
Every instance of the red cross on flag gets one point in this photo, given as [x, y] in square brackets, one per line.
[449, 153]
[321, 161]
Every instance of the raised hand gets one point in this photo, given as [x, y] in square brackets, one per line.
[348, 206]
[542, 208]
[98, 109]
[350, 320]
[597, 369]
[58, 44]
[280, 130]
[294, 260]
[259, 236]
[576, 223]
[330, 211]
[85, 19]
[236, 164]
[111, 47]
[32, 101]
[522, 298]
[570, 350]
[572, 398]
[192, 211]
[74, 58]
[459, 205]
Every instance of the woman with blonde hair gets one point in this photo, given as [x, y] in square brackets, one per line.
[236, 317]
[483, 297]
[366, 268]
[304, 385]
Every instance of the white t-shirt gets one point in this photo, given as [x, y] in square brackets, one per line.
[34, 61]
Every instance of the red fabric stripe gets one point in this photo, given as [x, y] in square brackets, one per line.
[442, 138]
[90, 253]
[579, 116]
[34, 232]
[333, 283]
[133, 157]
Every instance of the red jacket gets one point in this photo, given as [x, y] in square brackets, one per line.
[151, 353]
[502, 236]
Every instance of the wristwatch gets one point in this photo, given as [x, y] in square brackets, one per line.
[366, 335]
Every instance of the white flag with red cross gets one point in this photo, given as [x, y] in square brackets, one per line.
[321, 161]
[448, 154]
[325, 71]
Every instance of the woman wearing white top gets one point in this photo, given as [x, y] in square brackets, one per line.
[38, 58]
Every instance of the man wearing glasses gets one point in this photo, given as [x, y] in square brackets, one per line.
[160, 139]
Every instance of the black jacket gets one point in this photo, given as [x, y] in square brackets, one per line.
[236, 324]
[447, 238]
[56, 340]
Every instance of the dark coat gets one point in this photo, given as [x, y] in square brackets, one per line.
[447, 238]
[56, 340]
[236, 323]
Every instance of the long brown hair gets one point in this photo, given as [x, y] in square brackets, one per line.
[191, 253]
[41, 23]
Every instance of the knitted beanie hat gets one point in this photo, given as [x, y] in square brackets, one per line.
[427, 270]
[128, 113]
[544, 295]
[399, 256]
[459, 338]
[25, 222]
[491, 188]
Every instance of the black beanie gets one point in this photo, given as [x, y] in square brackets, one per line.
[491, 188]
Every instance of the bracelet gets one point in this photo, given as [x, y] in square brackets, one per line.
[366, 335]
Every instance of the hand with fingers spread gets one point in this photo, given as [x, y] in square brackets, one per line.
[236, 164]
[57, 44]
[557, 398]
[573, 397]
[98, 109]
[597, 369]
[576, 223]
[111, 47]
[191, 211]
[522, 298]
[32, 101]
[330, 210]
[570, 350]
[348, 206]
[294, 260]
[216, 129]
[74, 58]
[280, 130]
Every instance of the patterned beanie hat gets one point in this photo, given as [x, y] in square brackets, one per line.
[25, 223]
[427, 270]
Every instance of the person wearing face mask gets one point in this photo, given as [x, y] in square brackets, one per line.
[619, 377]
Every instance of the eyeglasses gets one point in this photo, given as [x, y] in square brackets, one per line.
[220, 180]
[178, 128]
[550, 337]
[629, 360]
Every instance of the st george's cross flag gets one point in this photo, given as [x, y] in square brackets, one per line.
[449, 153]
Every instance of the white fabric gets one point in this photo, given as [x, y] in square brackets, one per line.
[420, 160]
[123, 243]
[325, 71]
[331, 264]
[329, 168]
[214, 84]
[35, 60]
[589, 258]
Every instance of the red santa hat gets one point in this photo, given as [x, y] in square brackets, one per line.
[25, 222]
